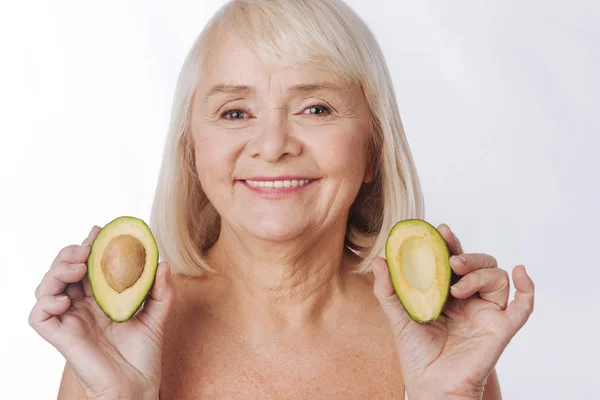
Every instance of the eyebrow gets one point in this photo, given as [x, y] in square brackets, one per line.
[245, 90]
[230, 89]
[315, 87]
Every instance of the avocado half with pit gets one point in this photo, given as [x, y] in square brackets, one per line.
[418, 260]
[122, 266]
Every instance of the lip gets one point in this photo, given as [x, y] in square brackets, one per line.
[278, 193]
[277, 178]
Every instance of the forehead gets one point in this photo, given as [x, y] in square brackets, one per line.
[231, 62]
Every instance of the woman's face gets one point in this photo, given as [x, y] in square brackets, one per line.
[280, 152]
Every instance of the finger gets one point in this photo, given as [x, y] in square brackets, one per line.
[520, 309]
[453, 243]
[385, 294]
[465, 263]
[72, 254]
[75, 291]
[56, 279]
[67, 268]
[159, 303]
[43, 317]
[75, 253]
[85, 283]
[492, 284]
[92, 235]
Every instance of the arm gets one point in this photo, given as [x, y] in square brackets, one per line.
[69, 386]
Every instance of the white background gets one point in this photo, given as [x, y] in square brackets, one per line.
[499, 100]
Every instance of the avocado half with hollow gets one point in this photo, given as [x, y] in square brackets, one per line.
[121, 267]
[418, 260]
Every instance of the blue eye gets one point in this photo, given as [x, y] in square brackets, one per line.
[233, 114]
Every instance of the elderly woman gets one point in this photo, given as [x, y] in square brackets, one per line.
[285, 168]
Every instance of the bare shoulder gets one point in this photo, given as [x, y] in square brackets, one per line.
[191, 334]
[370, 332]
[69, 388]
[365, 308]
[194, 299]
[360, 286]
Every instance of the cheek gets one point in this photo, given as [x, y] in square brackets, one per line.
[214, 155]
[343, 153]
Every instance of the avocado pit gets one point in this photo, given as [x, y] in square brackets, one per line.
[123, 262]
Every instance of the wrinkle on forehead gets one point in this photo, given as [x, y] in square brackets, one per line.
[241, 71]
[233, 71]
[301, 88]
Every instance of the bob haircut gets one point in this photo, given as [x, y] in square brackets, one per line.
[321, 34]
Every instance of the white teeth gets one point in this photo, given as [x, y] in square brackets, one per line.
[278, 184]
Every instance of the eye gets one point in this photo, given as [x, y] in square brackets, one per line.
[233, 114]
[317, 110]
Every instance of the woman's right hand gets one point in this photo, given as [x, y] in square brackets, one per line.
[111, 360]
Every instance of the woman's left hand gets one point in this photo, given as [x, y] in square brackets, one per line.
[453, 356]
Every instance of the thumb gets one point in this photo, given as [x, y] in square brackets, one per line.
[385, 294]
[160, 301]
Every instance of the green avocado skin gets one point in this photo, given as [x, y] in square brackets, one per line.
[152, 263]
[391, 247]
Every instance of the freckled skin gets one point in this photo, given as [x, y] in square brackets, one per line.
[349, 356]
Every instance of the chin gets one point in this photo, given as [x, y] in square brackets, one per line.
[276, 230]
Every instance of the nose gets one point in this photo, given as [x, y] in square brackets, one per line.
[273, 139]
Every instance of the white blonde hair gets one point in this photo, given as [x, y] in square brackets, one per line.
[323, 34]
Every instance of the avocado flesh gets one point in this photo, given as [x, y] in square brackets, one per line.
[418, 260]
[122, 267]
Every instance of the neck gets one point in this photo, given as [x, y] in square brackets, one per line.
[280, 286]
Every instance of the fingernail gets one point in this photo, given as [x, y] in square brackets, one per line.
[458, 286]
[62, 297]
[77, 266]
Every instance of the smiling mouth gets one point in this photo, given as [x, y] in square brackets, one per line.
[277, 184]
